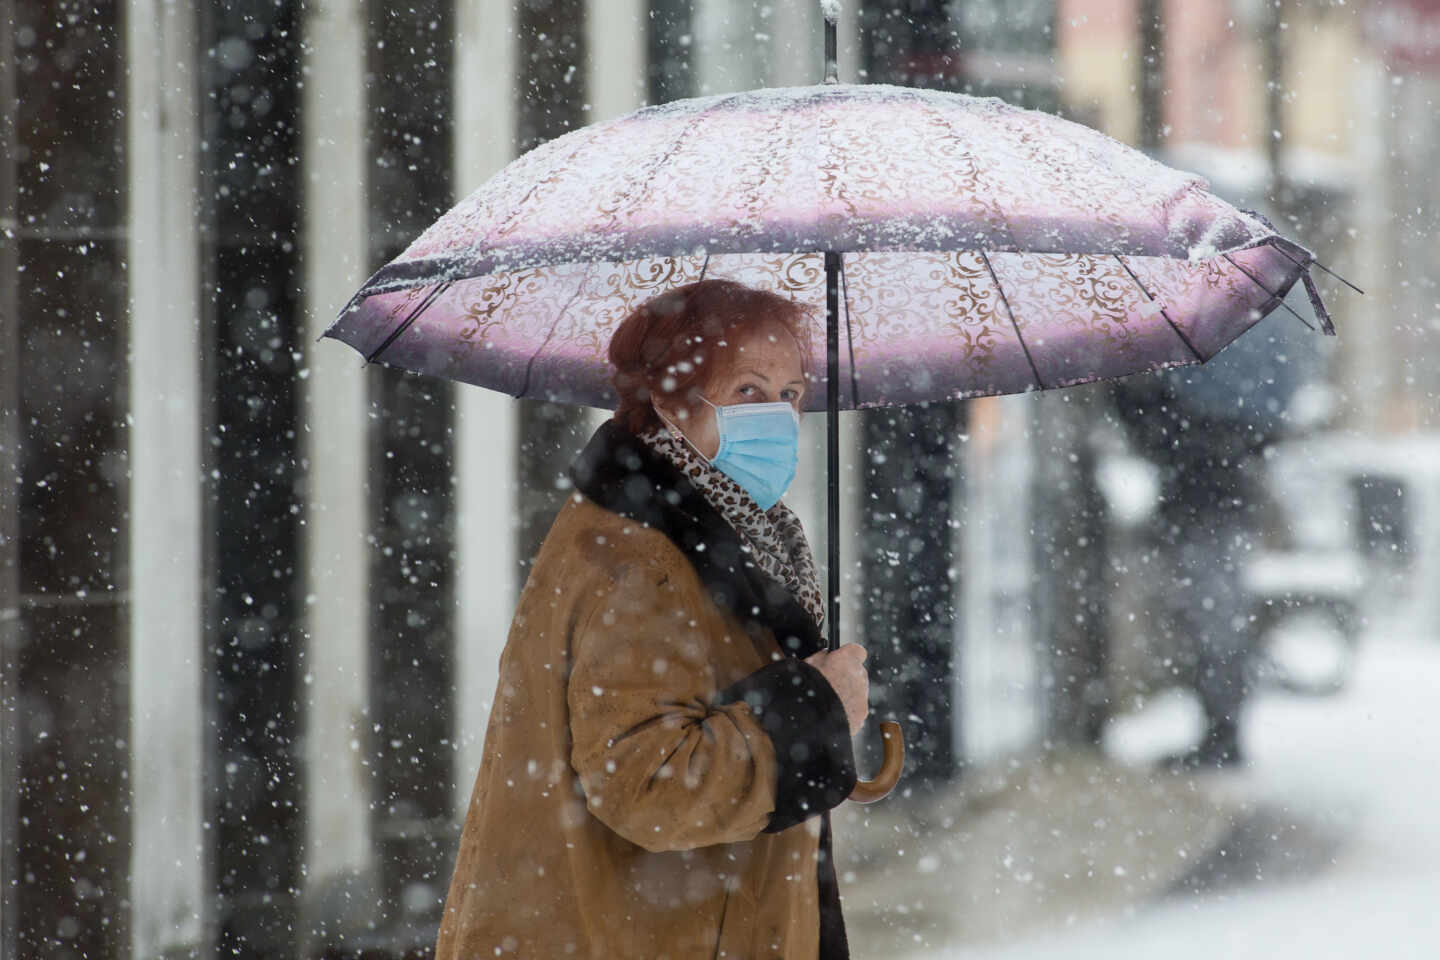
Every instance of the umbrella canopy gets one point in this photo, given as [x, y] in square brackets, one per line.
[984, 249]
[950, 247]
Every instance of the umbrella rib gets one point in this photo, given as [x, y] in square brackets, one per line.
[1327, 326]
[670, 151]
[1313, 262]
[1173, 326]
[404, 325]
[1039, 382]
[1255, 280]
[1335, 275]
[997, 213]
[849, 338]
[550, 335]
[514, 213]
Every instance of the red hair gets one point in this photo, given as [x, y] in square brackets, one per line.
[673, 345]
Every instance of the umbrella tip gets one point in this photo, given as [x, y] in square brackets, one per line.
[830, 9]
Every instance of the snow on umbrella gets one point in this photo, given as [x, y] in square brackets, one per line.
[985, 249]
[955, 246]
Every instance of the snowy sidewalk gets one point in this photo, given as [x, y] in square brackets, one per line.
[1328, 845]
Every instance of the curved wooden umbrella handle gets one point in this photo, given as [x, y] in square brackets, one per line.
[868, 791]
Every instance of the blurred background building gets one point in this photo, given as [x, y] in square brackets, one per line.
[253, 592]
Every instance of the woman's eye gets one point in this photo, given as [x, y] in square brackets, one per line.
[789, 396]
[748, 390]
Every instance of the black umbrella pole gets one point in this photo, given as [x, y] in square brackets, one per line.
[866, 791]
[832, 440]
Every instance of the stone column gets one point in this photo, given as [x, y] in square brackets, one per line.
[798, 44]
[339, 850]
[168, 849]
[9, 496]
[912, 478]
[410, 56]
[253, 334]
[485, 421]
[615, 67]
[728, 49]
[552, 40]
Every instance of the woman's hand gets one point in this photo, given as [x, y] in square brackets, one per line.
[845, 670]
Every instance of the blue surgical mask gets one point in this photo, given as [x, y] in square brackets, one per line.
[759, 447]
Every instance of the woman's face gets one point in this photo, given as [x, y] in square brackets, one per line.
[765, 368]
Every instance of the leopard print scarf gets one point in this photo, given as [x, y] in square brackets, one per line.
[773, 537]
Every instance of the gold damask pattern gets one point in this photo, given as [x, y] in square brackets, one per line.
[924, 325]
[986, 249]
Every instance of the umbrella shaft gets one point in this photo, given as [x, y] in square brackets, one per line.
[832, 440]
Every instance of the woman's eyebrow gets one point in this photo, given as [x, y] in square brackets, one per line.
[756, 373]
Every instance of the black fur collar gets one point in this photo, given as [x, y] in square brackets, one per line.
[620, 473]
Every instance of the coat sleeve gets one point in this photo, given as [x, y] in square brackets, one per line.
[670, 761]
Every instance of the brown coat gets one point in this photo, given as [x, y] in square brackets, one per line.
[652, 758]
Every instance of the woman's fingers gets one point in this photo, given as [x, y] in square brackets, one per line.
[846, 653]
[845, 671]
[862, 688]
[857, 680]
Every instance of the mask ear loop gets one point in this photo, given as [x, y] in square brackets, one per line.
[677, 432]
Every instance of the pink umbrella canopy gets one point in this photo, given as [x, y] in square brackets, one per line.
[984, 249]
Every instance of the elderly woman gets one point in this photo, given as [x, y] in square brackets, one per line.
[669, 734]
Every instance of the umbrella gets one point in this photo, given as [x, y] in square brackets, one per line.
[956, 246]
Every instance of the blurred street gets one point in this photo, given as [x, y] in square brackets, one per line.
[1326, 845]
